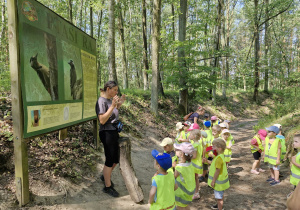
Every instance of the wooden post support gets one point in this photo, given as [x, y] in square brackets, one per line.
[63, 133]
[95, 134]
[127, 171]
[20, 144]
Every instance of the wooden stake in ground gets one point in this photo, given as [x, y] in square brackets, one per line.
[127, 171]
[20, 144]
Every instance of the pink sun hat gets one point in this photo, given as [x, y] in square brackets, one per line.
[194, 126]
[262, 134]
[213, 118]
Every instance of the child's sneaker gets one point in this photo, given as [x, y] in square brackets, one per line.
[270, 179]
[196, 196]
[274, 183]
[254, 171]
[261, 170]
[215, 207]
[201, 179]
[110, 191]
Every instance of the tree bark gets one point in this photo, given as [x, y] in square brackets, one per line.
[266, 85]
[256, 51]
[111, 42]
[80, 16]
[145, 54]
[91, 21]
[122, 40]
[183, 92]
[155, 55]
[70, 11]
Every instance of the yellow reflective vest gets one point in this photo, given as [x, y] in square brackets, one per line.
[197, 162]
[295, 172]
[271, 151]
[283, 146]
[222, 182]
[180, 135]
[165, 192]
[186, 184]
[228, 152]
[259, 145]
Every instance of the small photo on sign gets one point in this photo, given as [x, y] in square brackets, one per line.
[35, 118]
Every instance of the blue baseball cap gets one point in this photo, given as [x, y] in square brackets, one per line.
[163, 159]
[207, 124]
[273, 129]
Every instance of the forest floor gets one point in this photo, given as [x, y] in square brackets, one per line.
[66, 174]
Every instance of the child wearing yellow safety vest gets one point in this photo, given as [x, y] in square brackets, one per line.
[282, 141]
[167, 144]
[272, 154]
[295, 169]
[218, 174]
[206, 142]
[214, 120]
[162, 192]
[229, 142]
[184, 175]
[256, 149]
[181, 129]
[196, 140]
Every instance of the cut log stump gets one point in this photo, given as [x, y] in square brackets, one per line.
[132, 183]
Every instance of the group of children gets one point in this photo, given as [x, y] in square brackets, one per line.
[274, 150]
[185, 163]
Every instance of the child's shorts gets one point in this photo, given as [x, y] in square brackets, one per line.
[219, 194]
[205, 167]
[274, 167]
[257, 155]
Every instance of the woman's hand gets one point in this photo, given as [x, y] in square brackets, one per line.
[115, 101]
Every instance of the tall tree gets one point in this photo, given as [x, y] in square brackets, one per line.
[70, 11]
[256, 50]
[266, 86]
[122, 40]
[145, 51]
[183, 92]
[91, 20]
[111, 41]
[155, 55]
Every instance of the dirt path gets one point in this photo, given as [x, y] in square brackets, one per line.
[247, 191]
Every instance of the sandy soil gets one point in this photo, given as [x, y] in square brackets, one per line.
[247, 191]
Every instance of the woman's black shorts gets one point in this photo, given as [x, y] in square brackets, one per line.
[256, 155]
[110, 138]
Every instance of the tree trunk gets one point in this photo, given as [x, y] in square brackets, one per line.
[80, 16]
[256, 51]
[91, 21]
[145, 54]
[52, 60]
[266, 85]
[70, 11]
[121, 34]
[183, 92]
[217, 49]
[3, 25]
[111, 42]
[155, 55]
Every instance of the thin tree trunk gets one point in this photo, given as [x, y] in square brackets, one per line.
[183, 92]
[121, 35]
[266, 85]
[145, 54]
[256, 51]
[111, 42]
[70, 11]
[91, 21]
[80, 16]
[155, 55]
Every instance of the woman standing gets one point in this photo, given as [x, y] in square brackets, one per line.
[107, 111]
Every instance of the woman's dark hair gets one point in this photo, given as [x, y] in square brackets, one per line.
[110, 85]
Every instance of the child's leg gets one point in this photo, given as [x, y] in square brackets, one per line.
[276, 173]
[197, 183]
[272, 173]
[220, 203]
[255, 163]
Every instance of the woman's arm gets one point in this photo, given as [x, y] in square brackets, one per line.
[104, 117]
[196, 120]
[121, 101]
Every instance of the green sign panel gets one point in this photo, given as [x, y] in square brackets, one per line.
[58, 70]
